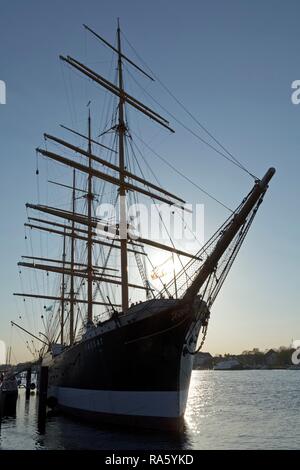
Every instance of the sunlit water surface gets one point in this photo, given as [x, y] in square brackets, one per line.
[226, 410]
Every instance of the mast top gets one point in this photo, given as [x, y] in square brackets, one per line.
[116, 50]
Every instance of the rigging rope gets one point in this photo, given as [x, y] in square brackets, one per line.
[230, 157]
[182, 174]
[159, 214]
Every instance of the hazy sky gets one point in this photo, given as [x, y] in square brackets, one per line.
[232, 64]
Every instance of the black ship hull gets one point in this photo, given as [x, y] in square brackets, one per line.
[133, 370]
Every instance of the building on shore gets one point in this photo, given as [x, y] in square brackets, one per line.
[203, 360]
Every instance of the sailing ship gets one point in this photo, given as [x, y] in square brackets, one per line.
[132, 363]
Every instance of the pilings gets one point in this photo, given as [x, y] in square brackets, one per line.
[28, 383]
[43, 386]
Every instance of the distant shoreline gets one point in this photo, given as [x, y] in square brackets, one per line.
[272, 359]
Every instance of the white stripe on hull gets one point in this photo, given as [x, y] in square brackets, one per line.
[157, 404]
[186, 365]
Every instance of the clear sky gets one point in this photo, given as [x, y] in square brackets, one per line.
[232, 64]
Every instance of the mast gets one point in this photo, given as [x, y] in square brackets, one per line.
[82, 226]
[90, 230]
[122, 190]
[72, 296]
[62, 317]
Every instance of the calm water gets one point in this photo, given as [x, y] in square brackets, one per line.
[226, 410]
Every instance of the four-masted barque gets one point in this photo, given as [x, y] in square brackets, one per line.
[132, 363]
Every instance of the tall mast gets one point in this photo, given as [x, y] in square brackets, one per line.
[72, 296]
[122, 193]
[62, 316]
[90, 231]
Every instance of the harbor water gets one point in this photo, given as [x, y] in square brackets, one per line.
[253, 409]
